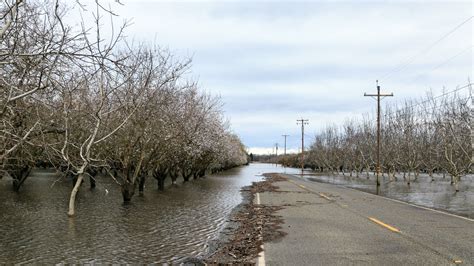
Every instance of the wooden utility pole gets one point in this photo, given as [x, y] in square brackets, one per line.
[276, 149]
[285, 136]
[302, 122]
[378, 97]
[471, 121]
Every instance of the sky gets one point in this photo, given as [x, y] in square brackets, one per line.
[273, 62]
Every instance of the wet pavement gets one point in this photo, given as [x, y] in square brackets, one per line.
[334, 225]
[438, 194]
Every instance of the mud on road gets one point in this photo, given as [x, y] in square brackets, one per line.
[249, 227]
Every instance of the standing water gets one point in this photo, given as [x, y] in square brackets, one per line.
[437, 194]
[159, 227]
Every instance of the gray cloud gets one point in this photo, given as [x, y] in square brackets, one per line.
[275, 61]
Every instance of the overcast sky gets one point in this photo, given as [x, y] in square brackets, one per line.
[273, 62]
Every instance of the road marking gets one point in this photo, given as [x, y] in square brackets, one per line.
[305, 188]
[389, 227]
[261, 255]
[261, 258]
[413, 205]
[394, 229]
[324, 196]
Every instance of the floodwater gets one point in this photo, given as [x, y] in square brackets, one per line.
[160, 227]
[438, 194]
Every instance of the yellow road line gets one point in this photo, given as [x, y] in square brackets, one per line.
[303, 187]
[389, 227]
[324, 196]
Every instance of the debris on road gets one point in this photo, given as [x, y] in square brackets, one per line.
[257, 223]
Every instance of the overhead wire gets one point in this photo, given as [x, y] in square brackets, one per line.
[411, 59]
[443, 63]
[391, 114]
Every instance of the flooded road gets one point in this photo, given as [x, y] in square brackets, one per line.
[159, 227]
[438, 194]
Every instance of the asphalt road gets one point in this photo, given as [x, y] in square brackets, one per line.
[332, 225]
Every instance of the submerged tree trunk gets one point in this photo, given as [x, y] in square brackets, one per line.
[128, 190]
[160, 177]
[186, 177]
[92, 174]
[173, 176]
[202, 173]
[141, 184]
[456, 183]
[395, 175]
[161, 184]
[430, 174]
[19, 177]
[92, 181]
[74, 191]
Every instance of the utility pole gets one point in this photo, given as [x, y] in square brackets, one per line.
[285, 136]
[471, 125]
[276, 149]
[378, 97]
[302, 122]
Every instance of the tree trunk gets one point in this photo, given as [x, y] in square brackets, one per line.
[186, 178]
[128, 190]
[74, 191]
[74, 180]
[173, 178]
[202, 173]
[456, 183]
[161, 184]
[92, 174]
[20, 176]
[141, 183]
[92, 181]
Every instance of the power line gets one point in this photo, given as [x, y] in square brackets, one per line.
[428, 100]
[410, 60]
[443, 63]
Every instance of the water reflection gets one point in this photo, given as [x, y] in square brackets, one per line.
[159, 227]
[438, 194]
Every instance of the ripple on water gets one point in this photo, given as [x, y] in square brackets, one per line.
[159, 227]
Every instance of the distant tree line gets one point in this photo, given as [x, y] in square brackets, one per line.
[88, 105]
[432, 135]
